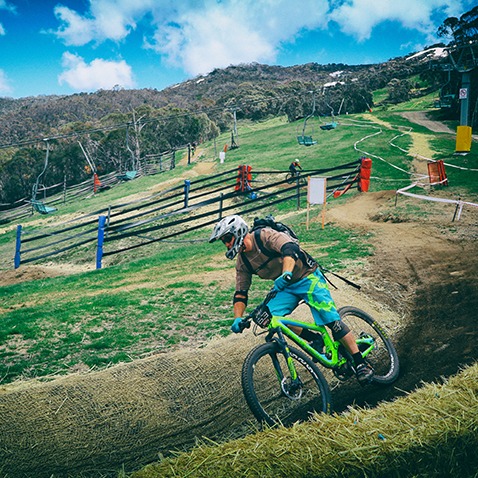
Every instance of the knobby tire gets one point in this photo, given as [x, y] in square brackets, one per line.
[383, 359]
[292, 179]
[263, 392]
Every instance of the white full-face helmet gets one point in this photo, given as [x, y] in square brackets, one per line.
[234, 226]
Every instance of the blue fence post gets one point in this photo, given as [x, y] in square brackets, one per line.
[187, 187]
[18, 246]
[101, 239]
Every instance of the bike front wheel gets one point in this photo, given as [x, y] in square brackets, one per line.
[382, 356]
[272, 395]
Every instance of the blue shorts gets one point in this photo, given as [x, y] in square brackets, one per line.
[314, 290]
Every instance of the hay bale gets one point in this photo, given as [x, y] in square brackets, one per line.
[126, 414]
[431, 432]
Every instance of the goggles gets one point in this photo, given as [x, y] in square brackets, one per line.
[227, 238]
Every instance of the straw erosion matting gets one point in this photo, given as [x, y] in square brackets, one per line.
[431, 432]
[131, 413]
[126, 414]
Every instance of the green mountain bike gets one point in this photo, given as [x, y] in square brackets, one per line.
[283, 384]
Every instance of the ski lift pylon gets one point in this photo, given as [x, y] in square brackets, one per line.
[303, 139]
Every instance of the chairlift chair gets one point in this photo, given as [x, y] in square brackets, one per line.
[41, 207]
[38, 205]
[328, 126]
[127, 175]
[306, 140]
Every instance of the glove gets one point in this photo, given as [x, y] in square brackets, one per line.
[283, 281]
[238, 325]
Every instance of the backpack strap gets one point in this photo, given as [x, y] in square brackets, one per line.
[263, 249]
[247, 263]
[270, 254]
[347, 281]
[249, 266]
[305, 257]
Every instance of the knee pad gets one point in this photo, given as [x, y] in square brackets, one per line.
[339, 329]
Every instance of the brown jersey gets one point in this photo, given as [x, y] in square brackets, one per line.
[266, 267]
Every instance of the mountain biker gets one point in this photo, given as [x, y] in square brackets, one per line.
[296, 277]
[294, 167]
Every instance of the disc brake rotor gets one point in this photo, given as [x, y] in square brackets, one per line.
[291, 390]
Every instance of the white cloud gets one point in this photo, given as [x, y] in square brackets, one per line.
[234, 31]
[75, 30]
[359, 17]
[106, 20]
[215, 39]
[99, 74]
[5, 87]
[9, 8]
[197, 35]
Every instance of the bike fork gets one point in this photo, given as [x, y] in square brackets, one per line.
[283, 349]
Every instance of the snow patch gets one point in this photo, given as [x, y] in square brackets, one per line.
[336, 74]
[439, 52]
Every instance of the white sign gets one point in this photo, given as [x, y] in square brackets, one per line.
[463, 93]
[316, 190]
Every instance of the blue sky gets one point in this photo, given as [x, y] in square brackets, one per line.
[71, 46]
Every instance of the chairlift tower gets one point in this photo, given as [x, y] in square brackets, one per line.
[462, 58]
[464, 61]
[234, 144]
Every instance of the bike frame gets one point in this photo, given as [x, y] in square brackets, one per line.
[330, 358]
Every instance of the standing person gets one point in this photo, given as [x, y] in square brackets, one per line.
[296, 277]
[294, 167]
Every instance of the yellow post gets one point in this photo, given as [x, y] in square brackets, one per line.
[463, 139]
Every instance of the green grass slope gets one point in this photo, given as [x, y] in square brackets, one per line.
[179, 292]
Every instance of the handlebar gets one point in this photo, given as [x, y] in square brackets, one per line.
[246, 321]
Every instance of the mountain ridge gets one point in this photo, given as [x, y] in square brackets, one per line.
[44, 115]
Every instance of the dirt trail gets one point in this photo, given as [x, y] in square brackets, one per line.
[421, 118]
[427, 274]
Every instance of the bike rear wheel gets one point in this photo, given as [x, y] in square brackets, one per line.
[290, 178]
[293, 178]
[383, 358]
[271, 394]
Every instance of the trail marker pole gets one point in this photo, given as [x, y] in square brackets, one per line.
[316, 194]
[221, 202]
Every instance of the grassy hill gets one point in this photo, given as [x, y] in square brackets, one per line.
[178, 293]
[96, 318]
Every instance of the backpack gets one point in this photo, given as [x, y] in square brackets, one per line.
[269, 221]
